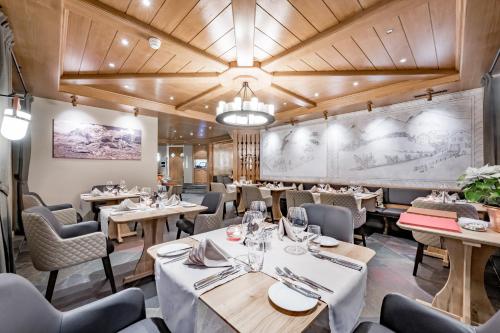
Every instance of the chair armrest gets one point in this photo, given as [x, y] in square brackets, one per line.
[66, 216]
[107, 315]
[73, 251]
[403, 315]
[54, 208]
[80, 229]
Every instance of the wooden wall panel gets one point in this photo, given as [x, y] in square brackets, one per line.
[200, 176]
[175, 165]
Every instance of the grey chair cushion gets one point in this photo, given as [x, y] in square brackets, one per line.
[371, 327]
[334, 221]
[150, 325]
[403, 196]
[211, 201]
[186, 226]
[24, 309]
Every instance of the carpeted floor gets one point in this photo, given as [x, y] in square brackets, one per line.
[389, 271]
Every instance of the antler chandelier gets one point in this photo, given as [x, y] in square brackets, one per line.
[245, 110]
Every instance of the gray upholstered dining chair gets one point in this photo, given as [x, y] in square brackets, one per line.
[295, 198]
[404, 315]
[23, 309]
[227, 196]
[349, 201]
[253, 193]
[54, 245]
[33, 199]
[334, 221]
[425, 239]
[208, 220]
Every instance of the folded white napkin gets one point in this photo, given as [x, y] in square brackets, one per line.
[294, 186]
[300, 187]
[134, 190]
[462, 221]
[285, 229]
[454, 197]
[343, 189]
[269, 185]
[281, 184]
[328, 188]
[95, 192]
[126, 204]
[207, 253]
[173, 200]
[314, 189]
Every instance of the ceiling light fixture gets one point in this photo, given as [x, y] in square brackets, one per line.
[154, 43]
[15, 122]
[245, 110]
[171, 98]
[284, 103]
[355, 83]
[126, 86]
[206, 106]
[124, 41]
[209, 127]
[112, 65]
[389, 31]
[146, 3]
[191, 133]
[402, 60]
[316, 94]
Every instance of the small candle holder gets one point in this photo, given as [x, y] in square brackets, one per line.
[234, 233]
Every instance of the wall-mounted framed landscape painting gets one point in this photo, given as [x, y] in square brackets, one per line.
[81, 140]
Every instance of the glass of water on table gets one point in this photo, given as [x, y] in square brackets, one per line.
[313, 238]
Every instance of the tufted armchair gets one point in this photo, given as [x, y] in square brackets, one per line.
[250, 194]
[23, 309]
[297, 198]
[425, 239]
[227, 195]
[54, 245]
[67, 212]
[210, 219]
[349, 201]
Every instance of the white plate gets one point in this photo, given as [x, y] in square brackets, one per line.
[187, 204]
[289, 299]
[328, 241]
[173, 250]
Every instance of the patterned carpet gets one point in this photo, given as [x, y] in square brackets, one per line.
[389, 271]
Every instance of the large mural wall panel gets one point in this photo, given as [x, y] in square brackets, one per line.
[418, 144]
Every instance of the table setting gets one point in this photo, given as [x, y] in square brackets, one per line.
[292, 253]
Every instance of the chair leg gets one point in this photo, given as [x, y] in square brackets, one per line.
[363, 238]
[166, 223]
[179, 233]
[135, 226]
[418, 258]
[224, 210]
[235, 207]
[51, 285]
[108, 270]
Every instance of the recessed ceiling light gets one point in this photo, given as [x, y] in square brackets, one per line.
[206, 106]
[171, 98]
[180, 136]
[284, 103]
[191, 133]
[124, 41]
[389, 31]
[316, 94]
[355, 83]
[126, 86]
[402, 60]
[209, 127]
[146, 3]
[112, 65]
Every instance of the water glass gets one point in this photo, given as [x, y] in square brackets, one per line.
[109, 186]
[313, 238]
[256, 251]
[250, 222]
[123, 185]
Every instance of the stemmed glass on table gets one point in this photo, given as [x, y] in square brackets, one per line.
[298, 219]
[145, 195]
[123, 186]
[110, 186]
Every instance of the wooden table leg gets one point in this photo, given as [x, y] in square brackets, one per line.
[276, 205]
[464, 294]
[153, 234]
[118, 231]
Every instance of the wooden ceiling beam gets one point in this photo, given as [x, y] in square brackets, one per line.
[291, 96]
[133, 101]
[244, 30]
[98, 11]
[117, 78]
[205, 95]
[344, 30]
[363, 73]
[215, 139]
[368, 95]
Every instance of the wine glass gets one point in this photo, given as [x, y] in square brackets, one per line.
[250, 222]
[145, 194]
[123, 185]
[259, 206]
[298, 219]
[109, 186]
[162, 193]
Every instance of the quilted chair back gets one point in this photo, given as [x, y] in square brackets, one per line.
[24, 309]
[250, 194]
[32, 199]
[211, 219]
[218, 187]
[297, 198]
[348, 201]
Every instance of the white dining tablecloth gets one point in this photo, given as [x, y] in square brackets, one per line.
[174, 285]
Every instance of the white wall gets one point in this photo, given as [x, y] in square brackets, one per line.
[60, 180]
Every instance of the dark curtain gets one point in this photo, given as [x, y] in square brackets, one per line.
[21, 154]
[6, 253]
[491, 121]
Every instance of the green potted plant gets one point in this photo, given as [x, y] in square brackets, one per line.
[482, 185]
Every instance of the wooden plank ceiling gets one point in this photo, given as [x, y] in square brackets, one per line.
[305, 56]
